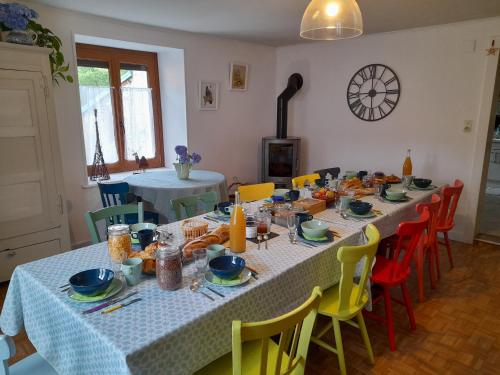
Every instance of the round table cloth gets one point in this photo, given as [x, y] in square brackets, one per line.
[159, 187]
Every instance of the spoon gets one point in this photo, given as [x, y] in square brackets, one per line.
[259, 238]
[195, 287]
[266, 237]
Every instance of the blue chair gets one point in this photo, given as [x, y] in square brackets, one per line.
[115, 194]
[31, 365]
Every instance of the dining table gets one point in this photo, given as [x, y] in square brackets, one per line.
[160, 186]
[178, 332]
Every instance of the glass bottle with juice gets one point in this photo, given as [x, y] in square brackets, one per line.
[237, 227]
[407, 166]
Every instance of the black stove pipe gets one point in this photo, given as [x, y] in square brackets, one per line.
[295, 82]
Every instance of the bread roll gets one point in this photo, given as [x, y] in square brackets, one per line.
[222, 232]
[193, 245]
[211, 239]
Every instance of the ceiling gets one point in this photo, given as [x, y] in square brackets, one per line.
[276, 22]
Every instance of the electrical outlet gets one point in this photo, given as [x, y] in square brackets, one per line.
[467, 126]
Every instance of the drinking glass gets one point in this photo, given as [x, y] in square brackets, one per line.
[200, 261]
[292, 222]
[407, 180]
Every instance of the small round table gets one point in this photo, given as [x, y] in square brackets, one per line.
[160, 186]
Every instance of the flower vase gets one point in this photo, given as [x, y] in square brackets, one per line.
[183, 170]
[21, 37]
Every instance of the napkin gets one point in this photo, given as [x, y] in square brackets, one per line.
[324, 238]
[228, 282]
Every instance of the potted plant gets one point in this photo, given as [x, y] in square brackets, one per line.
[18, 21]
[185, 161]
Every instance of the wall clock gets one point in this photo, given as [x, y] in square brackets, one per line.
[373, 92]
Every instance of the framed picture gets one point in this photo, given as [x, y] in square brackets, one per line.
[209, 96]
[238, 76]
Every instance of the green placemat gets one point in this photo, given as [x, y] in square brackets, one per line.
[229, 282]
[115, 284]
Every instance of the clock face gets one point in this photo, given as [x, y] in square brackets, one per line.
[373, 92]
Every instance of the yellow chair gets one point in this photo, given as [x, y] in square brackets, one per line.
[249, 193]
[298, 182]
[346, 300]
[254, 352]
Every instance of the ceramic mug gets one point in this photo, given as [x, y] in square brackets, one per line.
[344, 202]
[134, 228]
[214, 251]
[131, 269]
[146, 237]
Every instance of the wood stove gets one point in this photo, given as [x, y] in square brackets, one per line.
[280, 154]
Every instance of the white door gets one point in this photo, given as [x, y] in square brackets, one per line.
[29, 201]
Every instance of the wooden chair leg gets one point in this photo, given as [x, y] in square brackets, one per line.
[432, 263]
[436, 253]
[408, 305]
[340, 347]
[366, 338]
[389, 318]
[419, 265]
[448, 248]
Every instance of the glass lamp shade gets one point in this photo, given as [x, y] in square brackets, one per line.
[331, 20]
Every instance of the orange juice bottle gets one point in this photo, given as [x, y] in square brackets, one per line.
[237, 227]
[407, 166]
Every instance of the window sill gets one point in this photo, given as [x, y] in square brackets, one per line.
[115, 177]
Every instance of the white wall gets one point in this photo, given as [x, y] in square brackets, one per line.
[228, 139]
[441, 85]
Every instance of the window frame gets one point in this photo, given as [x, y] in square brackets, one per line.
[114, 57]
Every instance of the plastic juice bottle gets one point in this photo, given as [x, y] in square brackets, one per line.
[237, 227]
[407, 166]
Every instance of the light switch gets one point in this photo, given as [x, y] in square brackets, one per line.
[467, 126]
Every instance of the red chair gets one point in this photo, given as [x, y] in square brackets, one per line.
[449, 201]
[389, 273]
[428, 247]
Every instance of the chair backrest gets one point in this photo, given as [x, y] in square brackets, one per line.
[113, 194]
[298, 182]
[409, 234]
[209, 200]
[250, 193]
[335, 171]
[112, 215]
[449, 202]
[7, 350]
[349, 256]
[295, 330]
[433, 208]
[190, 204]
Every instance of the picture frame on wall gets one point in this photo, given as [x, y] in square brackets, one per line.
[238, 76]
[208, 96]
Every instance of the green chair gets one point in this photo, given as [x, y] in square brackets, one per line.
[112, 215]
[346, 300]
[255, 353]
[190, 204]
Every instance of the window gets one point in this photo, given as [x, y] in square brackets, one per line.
[122, 87]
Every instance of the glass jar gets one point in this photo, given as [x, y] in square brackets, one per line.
[168, 267]
[263, 219]
[119, 243]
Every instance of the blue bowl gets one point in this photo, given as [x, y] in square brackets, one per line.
[360, 207]
[227, 266]
[422, 182]
[92, 282]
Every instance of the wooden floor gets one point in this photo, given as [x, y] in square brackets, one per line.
[458, 326]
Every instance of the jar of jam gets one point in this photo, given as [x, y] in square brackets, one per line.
[119, 243]
[168, 267]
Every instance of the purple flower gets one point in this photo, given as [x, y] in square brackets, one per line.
[181, 150]
[184, 159]
[196, 158]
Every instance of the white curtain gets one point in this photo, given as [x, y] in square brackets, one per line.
[138, 122]
[92, 97]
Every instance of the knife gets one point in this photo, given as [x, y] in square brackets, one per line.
[120, 306]
[109, 303]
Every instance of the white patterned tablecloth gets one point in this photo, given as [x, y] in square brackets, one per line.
[172, 332]
[160, 186]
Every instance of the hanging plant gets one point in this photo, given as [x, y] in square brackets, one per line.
[19, 18]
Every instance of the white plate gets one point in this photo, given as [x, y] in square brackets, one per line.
[244, 277]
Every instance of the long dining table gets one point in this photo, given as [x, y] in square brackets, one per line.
[176, 332]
